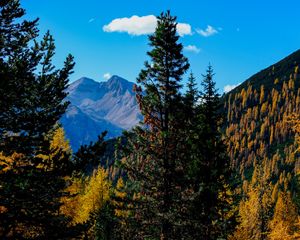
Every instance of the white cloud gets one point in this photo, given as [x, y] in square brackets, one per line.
[184, 29]
[192, 48]
[228, 87]
[134, 25]
[143, 25]
[209, 31]
[92, 20]
[106, 76]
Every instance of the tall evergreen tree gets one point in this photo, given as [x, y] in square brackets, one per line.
[31, 102]
[192, 94]
[211, 166]
[155, 149]
[191, 102]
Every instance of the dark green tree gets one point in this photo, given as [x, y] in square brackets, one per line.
[155, 150]
[211, 174]
[89, 156]
[192, 93]
[32, 96]
[192, 123]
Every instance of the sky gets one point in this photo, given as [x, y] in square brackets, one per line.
[238, 38]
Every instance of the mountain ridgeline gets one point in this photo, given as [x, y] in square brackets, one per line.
[99, 106]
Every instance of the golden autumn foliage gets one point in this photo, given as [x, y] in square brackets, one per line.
[262, 94]
[120, 195]
[294, 121]
[9, 162]
[70, 203]
[284, 225]
[255, 208]
[59, 142]
[249, 217]
[60, 150]
[260, 146]
[96, 194]
[87, 196]
[261, 117]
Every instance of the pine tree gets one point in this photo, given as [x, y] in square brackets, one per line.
[192, 94]
[192, 123]
[89, 156]
[153, 158]
[31, 102]
[211, 176]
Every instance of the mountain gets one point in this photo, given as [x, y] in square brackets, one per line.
[99, 106]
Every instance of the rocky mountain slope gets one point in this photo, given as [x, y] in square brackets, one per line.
[99, 106]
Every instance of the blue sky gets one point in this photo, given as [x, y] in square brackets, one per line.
[237, 37]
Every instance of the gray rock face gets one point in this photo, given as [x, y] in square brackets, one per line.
[99, 106]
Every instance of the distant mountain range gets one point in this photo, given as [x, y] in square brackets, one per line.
[99, 106]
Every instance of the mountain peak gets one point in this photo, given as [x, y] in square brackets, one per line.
[85, 79]
[83, 82]
[98, 106]
[115, 79]
[119, 84]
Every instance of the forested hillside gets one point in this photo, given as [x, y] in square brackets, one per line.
[260, 129]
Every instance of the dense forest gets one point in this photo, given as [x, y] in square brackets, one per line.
[199, 165]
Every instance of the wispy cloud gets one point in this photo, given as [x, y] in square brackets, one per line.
[92, 20]
[106, 76]
[192, 48]
[209, 31]
[229, 87]
[143, 25]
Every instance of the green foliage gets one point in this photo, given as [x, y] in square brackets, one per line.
[152, 158]
[32, 93]
[89, 156]
[210, 167]
[176, 161]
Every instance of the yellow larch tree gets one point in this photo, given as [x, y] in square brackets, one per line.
[284, 225]
[96, 193]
